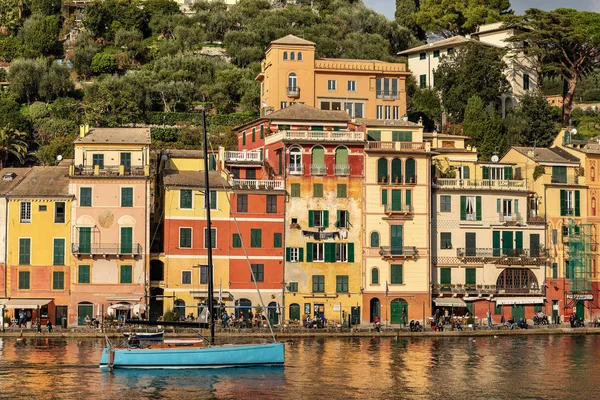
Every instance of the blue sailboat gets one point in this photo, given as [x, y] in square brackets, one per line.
[202, 353]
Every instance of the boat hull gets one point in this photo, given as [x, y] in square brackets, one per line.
[196, 357]
[147, 336]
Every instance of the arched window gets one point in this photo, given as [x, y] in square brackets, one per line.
[179, 307]
[593, 173]
[318, 161]
[382, 170]
[243, 306]
[375, 276]
[411, 176]
[292, 81]
[396, 171]
[299, 56]
[374, 239]
[296, 161]
[341, 161]
[295, 312]
[292, 56]
[519, 280]
[285, 56]
[593, 206]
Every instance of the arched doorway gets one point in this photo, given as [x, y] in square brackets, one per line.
[397, 306]
[294, 312]
[375, 309]
[85, 308]
[273, 314]
[156, 303]
[179, 308]
[243, 305]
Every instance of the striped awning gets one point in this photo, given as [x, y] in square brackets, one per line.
[449, 302]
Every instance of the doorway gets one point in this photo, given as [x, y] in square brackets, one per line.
[273, 315]
[518, 312]
[61, 312]
[580, 309]
[375, 309]
[396, 308]
[84, 309]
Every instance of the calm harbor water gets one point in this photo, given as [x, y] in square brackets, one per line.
[523, 367]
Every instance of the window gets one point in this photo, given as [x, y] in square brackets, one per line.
[318, 252]
[58, 280]
[185, 199]
[213, 238]
[186, 277]
[375, 276]
[470, 276]
[295, 190]
[354, 110]
[342, 219]
[255, 238]
[569, 203]
[352, 86]
[42, 208]
[382, 88]
[204, 274]
[384, 197]
[253, 135]
[318, 190]
[24, 251]
[554, 271]
[98, 159]
[244, 136]
[332, 85]
[59, 212]
[422, 56]
[271, 204]
[242, 203]
[388, 112]
[258, 272]
[185, 238]
[525, 81]
[83, 274]
[445, 276]
[497, 308]
[126, 197]
[341, 284]
[470, 208]
[85, 197]
[318, 218]
[126, 274]
[277, 240]
[285, 55]
[445, 204]
[299, 56]
[25, 212]
[379, 112]
[445, 240]
[59, 251]
[292, 56]
[396, 277]
[374, 239]
[292, 81]
[436, 53]
[24, 280]
[341, 191]
[341, 252]
[236, 241]
[262, 133]
[422, 81]
[318, 283]
[293, 287]
[125, 161]
[294, 254]
[396, 112]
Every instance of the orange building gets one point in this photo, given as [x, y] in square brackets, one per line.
[290, 73]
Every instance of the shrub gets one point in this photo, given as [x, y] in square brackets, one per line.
[104, 63]
[538, 171]
[591, 95]
[170, 315]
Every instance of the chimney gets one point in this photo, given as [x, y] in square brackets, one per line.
[531, 153]
[81, 131]
[87, 128]
[405, 118]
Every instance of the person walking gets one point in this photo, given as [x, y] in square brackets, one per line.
[404, 318]
[489, 319]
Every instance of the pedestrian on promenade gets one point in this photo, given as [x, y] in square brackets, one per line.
[21, 318]
[489, 318]
[49, 326]
[404, 318]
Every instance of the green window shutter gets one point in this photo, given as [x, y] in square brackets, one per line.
[396, 171]
[329, 252]
[396, 200]
[24, 281]
[318, 190]
[350, 252]
[253, 135]
[300, 254]
[24, 251]
[375, 276]
[516, 206]
[126, 274]
[384, 197]
[554, 271]
[311, 218]
[496, 243]
[445, 276]
[295, 190]
[374, 136]
[485, 171]
[463, 208]
[497, 308]
[410, 166]
[341, 191]
[382, 170]
[508, 173]
[396, 277]
[518, 241]
[237, 241]
[478, 208]
[408, 197]
[126, 240]
[59, 251]
[563, 202]
[288, 253]
[255, 238]
[470, 276]
[185, 237]
[262, 131]
[338, 214]
[577, 209]
[213, 200]
[85, 240]
[83, 275]
[85, 197]
[499, 205]
[338, 284]
[277, 240]
[58, 280]
[185, 199]
[466, 172]
[126, 197]
[325, 219]
[309, 255]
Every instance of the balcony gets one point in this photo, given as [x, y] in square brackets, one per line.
[398, 209]
[316, 136]
[387, 94]
[108, 249]
[499, 253]
[318, 169]
[257, 184]
[564, 180]
[510, 219]
[108, 171]
[397, 180]
[398, 252]
[342, 170]
[293, 91]
[485, 184]
[296, 169]
[243, 156]
[398, 146]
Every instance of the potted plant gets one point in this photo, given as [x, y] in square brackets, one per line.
[480, 286]
[383, 179]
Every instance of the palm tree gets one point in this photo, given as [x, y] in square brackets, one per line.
[12, 143]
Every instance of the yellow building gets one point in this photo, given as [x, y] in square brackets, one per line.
[39, 242]
[396, 213]
[290, 73]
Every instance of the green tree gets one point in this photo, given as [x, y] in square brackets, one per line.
[161, 7]
[10, 15]
[25, 76]
[105, 18]
[10, 48]
[476, 69]
[532, 122]
[39, 35]
[131, 41]
[55, 83]
[46, 7]
[103, 63]
[12, 144]
[564, 42]
[406, 15]
[10, 112]
[84, 50]
[425, 105]
[459, 17]
[476, 120]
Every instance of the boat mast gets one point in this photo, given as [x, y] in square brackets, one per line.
[211, 323]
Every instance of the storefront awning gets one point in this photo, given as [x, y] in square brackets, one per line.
[26, 303]
[134, 299]
[449, 302]
[519, 300]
